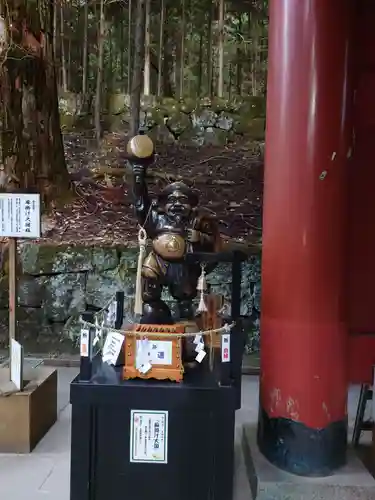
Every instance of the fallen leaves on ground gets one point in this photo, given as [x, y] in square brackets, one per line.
[230, 180]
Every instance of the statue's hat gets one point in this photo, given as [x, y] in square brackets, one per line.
[183, 188]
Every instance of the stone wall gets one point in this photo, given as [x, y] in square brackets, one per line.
[193, 122]
[57, 283]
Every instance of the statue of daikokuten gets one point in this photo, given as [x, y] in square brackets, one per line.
[174, 225]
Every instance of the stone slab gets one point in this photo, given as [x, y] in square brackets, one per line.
[352, 482]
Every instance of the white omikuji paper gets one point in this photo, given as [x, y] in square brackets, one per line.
[142, 362]
[112, 347]
[149, 436]
[198, 339]
[200, 356]
[111, 315]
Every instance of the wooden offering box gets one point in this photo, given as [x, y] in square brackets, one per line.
[165, 353]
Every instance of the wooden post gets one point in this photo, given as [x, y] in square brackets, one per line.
[12, 297]
[304, 380]
[12, 288]
[211, 319]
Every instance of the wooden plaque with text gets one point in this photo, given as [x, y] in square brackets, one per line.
[166, 353]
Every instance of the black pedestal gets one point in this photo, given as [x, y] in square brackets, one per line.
[200, 444]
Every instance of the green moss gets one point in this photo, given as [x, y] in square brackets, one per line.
[253, 107]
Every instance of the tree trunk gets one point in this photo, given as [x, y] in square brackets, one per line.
[239, 60]
[64, 79]
[230, 81]
[99, 74]
[251, 54]
[122, 55]
[32, 148]
[55, 31]
[85, 52]
[182, 49]
[130, 46]
[147, 68]
[69, 65]
[139, 49]
[168, 65]
[209, 50]
[109, 81]
[200, 65]
[220, 86]
[161, 49]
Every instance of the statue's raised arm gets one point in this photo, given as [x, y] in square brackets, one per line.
[141, 154]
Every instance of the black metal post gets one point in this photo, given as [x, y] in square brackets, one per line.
[237, 340]
[85, 371]
[120, 297]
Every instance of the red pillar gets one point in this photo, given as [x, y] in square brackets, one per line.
[303, 391]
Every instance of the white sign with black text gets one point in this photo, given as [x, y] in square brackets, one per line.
[19, 215]
[112, 347]
[149, 437]
[225, 348]
[84, 344]
[159, 352]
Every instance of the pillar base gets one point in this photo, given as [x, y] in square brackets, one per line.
[267, 482]
[300, 450]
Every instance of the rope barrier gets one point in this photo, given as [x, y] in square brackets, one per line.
[224, 329]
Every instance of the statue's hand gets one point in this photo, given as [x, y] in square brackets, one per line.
[193, 236]
[139, 172]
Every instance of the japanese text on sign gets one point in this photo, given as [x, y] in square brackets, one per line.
[112, 347]
[225, 348]
[149, 436]
[159, 351]
[19, 215]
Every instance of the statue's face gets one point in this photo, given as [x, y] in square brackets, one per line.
[178, 205]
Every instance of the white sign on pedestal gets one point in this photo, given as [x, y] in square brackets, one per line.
[159, 351]
[19, 215]
[16, 364]
[149, 437]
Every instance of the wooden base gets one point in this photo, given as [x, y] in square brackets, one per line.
[26, 417]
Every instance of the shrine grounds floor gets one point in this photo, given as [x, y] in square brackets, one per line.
[44, 474]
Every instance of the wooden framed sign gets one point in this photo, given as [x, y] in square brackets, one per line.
[161, 356]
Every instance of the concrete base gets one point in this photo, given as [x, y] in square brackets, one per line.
[25, 417]
[353, 482]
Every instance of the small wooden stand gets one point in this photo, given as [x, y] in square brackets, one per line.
[28, 415]
[27, 410]
[172, 371]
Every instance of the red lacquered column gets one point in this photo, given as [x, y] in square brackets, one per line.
[303, 390]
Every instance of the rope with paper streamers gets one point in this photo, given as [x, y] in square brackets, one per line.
[224, 329]
[100, 324]
[115, 337]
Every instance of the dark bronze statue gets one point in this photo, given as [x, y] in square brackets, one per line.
[174, 225]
